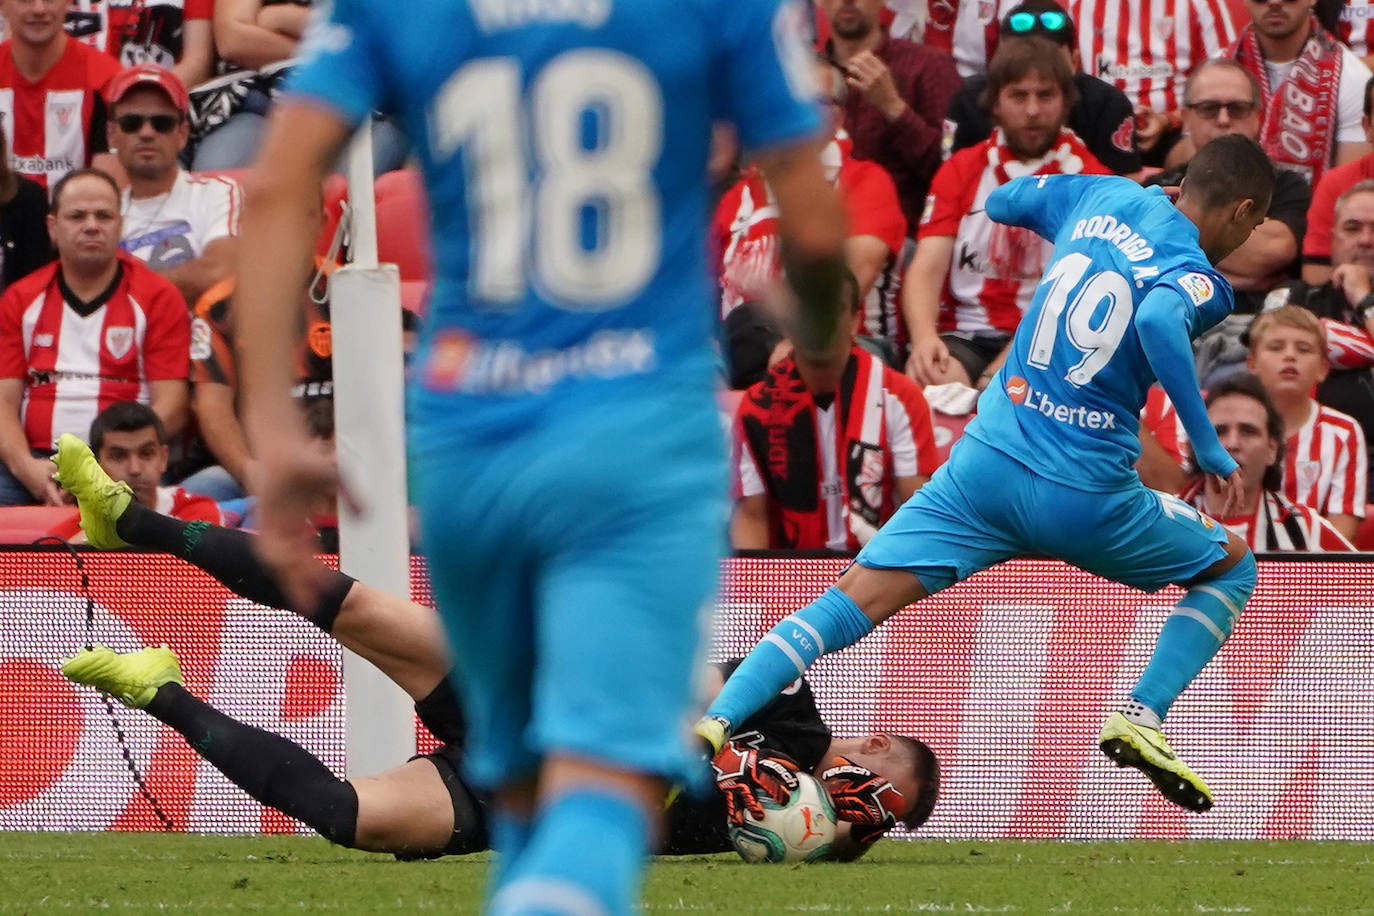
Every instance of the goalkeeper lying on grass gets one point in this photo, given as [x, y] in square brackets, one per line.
[423, 808]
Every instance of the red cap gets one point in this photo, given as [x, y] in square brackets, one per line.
[149, 75]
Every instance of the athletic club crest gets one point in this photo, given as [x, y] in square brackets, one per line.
[1309, 472]
[1163, 26]
[119, 340]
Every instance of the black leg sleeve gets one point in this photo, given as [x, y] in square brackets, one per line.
[227, 555]
[279, 773]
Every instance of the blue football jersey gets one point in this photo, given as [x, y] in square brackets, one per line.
[564, 146]
[1126, 291]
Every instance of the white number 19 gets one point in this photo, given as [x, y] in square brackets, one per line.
[1098, 342]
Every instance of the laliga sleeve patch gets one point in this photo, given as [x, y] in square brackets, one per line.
[200, 339]
[1199, 287]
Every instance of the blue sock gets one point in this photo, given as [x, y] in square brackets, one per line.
[830, 623]
[509, 836]
[1193, 634]
[587, 854]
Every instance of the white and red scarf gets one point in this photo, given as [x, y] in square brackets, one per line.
[1301, 113]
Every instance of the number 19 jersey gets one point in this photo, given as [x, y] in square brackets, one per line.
[1127, 275]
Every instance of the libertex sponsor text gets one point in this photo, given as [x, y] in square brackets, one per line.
[1022, 394]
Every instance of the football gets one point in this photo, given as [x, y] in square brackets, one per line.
[799, 831]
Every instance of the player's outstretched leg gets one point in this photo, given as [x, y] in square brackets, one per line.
[270, 768]
[101, 500]
[830, 623]
[1194, 632]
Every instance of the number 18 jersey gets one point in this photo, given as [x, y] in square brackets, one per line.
[564, 145]
[1127, 276]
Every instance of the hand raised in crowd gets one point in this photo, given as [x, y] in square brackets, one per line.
[867, 73]
[1150, 126]
[929, 360]
[1353, 280]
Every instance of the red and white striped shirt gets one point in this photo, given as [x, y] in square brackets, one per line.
[75, 366]
[1325, 465]
[50, 124]
[1161, 418]
[968, 30]
[1356, 26]
[1147, 47]
[979, 295]
[1277, 524]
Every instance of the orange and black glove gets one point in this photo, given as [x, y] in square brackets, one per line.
[863, 798]
[742, 774]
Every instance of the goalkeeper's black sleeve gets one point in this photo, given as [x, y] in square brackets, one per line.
[279, 773]
[227, 555]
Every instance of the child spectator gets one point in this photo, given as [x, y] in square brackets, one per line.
[1326, 466]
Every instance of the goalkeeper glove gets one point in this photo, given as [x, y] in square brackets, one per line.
[868, 801]
[741, 774]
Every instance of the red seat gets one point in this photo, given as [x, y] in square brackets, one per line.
[403, 224]
[26, 524]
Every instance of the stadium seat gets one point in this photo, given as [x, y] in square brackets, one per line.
[26, 524]
[1364, 537]
[403, 224]
[415, 296]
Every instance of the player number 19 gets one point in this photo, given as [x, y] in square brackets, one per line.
[523, 228]
[1095, 321]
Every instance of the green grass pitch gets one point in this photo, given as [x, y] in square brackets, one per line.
[147, 873]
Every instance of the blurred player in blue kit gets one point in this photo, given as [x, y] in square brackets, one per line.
[567, 454]
[1130, 284]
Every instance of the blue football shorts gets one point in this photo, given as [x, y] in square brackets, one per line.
[983, 507]
[574, 565]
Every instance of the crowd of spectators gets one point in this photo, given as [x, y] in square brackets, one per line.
[124, 125]
[1127, 87]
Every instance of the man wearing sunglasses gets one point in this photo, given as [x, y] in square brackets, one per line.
[1102, 116]
[1221, 97]
[181, 225]
[1302, 68]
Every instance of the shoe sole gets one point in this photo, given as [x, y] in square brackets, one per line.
[1170, 784]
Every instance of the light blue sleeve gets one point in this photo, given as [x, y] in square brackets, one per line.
[764, 70]
[338, 63]
[1164, 321]
[1039, 202]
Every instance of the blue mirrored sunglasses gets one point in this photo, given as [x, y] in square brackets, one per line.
[1050, 20]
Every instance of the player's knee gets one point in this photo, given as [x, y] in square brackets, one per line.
[331, 810]
[1238, 581]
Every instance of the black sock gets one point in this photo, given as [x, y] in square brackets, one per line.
[441, 714]
[277, 772]
[227, 555]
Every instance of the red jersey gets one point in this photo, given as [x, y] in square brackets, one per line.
[55, 125]
[189, 507]
[74, 364]
[828, 469]
[136, 31]
[1325, 465]
[1147, 47]
[745, 229]
[996, 268]
[1277, 524]
[1356, 26]
[1161, 419]
[1321, 214]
